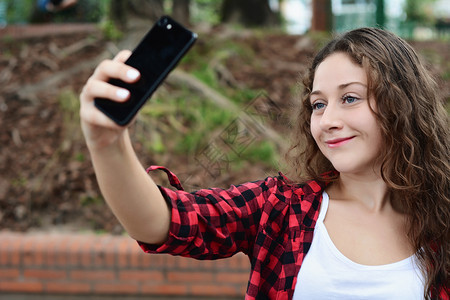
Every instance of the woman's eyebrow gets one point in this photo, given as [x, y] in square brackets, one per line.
[344, 85]
[316, 92]
[340, 87]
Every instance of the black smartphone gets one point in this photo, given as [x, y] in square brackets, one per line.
[155, 56]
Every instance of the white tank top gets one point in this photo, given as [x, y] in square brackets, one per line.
[327, 274]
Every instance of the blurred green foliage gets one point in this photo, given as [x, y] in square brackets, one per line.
[26, 11]
[419, 11]
[206, 11]
[110, 30]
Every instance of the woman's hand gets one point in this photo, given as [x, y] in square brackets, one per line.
[99, 130]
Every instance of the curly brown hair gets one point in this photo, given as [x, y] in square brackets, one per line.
[415, 154]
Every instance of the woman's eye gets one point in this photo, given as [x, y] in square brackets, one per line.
[349, 99]
[317, 105]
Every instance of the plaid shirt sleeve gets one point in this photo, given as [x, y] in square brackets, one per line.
[271, 220]
[214, 223]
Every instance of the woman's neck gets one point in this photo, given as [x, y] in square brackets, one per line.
[368, 191]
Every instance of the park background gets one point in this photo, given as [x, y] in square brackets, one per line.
[221, 118]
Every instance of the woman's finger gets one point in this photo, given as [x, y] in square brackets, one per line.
[100, 89]
[122, 56]
[108, 69]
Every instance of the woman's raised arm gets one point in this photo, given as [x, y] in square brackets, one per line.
[130, 193]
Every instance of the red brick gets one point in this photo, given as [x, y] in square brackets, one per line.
[33, 248]
[51, 255]
[203, 264]
[5, 248]
[74, 250]
[4, 259]
[38, 256]
[110, 258]
[239, 262]
[86, 254]
[99, 253]
[23, 287]
[190, 276]
[165, 289]
[68, 287]
[147, 260]
[214, 290]
[141, 275]
[93, 275]
[154, 260]
[9, 273]
[120, 288]
[171, 262]
[233, 277]
[222, 264]
[113, 255]
[27, 254]
[44, 274]
[61, 248]
[135, 256]
[193, 264]
[99, 248]
[93, 263]
[122, 248]
[185, 263]
[14, 252]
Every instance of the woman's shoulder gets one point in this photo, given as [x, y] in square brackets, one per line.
[279, 185]
[306, 185]
[277, 188]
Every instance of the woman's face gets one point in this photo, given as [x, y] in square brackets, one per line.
[342, 123]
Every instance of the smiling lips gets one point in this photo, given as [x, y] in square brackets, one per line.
[338, 142]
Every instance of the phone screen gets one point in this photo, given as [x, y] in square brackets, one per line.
[155, 56]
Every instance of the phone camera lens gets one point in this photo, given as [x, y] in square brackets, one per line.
[163, 22]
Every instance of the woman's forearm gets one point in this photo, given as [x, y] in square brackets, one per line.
[130, 192]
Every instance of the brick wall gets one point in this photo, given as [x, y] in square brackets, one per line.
[89, 264]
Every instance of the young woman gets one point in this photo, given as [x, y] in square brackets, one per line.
[367, 217]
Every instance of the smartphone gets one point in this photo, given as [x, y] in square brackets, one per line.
[155, 56]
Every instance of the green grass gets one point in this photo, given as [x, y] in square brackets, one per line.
[178, 121]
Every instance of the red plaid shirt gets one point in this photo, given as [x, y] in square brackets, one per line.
[271, 221]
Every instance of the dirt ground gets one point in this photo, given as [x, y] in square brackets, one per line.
[46, 178]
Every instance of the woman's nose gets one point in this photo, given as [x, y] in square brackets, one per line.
[331, 118]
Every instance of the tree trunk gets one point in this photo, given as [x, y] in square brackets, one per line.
[134, 18]
[321, 15]
[380, 14]
[248, 13]
[181, 11]
[116, 15]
